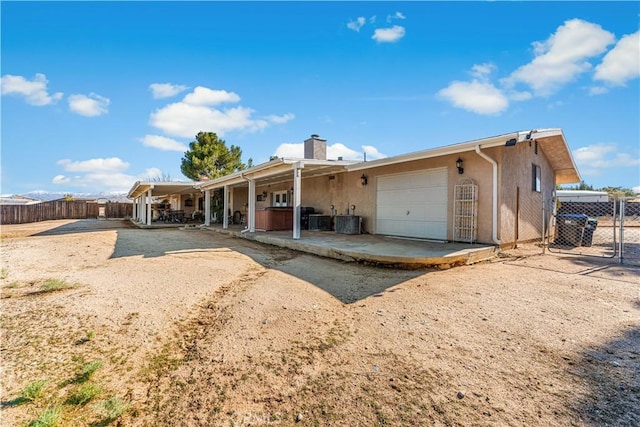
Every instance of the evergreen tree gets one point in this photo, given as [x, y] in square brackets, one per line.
[208, 158]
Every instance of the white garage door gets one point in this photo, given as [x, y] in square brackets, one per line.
[413, 204]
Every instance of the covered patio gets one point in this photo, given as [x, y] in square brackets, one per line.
[277, 172]
[144, 193]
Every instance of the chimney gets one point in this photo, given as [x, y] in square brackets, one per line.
[315, 148]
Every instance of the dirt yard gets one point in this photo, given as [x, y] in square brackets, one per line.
[193, 328]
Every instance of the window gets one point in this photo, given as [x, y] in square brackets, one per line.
[535, 179]
[280, 198]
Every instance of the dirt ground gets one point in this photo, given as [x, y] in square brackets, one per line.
[196, 328]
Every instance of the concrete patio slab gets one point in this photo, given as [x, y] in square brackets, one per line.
[374, 249]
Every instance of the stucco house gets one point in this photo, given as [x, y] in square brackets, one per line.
[490, 190]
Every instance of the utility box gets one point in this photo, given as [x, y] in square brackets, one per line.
[348, 224]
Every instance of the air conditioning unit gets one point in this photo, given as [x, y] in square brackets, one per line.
[319, 222]
[348, 224]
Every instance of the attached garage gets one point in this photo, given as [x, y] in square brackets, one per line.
[413, 204]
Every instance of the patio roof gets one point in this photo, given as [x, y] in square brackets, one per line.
[277, 170]
[159, 189]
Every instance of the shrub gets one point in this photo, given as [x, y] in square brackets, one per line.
[84, 394]
[49, 418]
[87, 371]
[53, 285]
[33, 390]
[113, 408]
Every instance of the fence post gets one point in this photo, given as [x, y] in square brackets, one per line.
[621, 242]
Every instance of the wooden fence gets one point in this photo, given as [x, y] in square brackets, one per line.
[61, 209]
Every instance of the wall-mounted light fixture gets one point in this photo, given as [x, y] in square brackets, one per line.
[363, 180]
[459, 166]
[264, 195]
[511, 142]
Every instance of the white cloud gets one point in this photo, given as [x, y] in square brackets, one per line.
[61, 179]
[165, 90]
[185, 120]
[357, 24]
[290, 150]
[195, 113]
[96, 174]
[518, 96]
[163, 143]
[107, 182]
[397, 15]
[296, 151]
[334, 151]
[280, 119]
[111, 164]
[622, 63]
[205, 96]
[372, 152]
[101, 175]
[600, 156]
[482, 71]
[88, 105]
[34, 91]
[598, 90]
[562, 57]
[475, 96]
[388, 35]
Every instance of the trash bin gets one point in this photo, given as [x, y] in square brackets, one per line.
[570, 229]
[589, 229]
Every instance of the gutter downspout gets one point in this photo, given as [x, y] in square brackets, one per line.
[494, 220]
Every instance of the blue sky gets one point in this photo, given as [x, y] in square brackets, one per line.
[98, 95]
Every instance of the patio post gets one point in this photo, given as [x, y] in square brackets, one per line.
[225, 207]
[143, 196]
[149, 215]
[251, 209]
[207, 208]
[135, 209]
[297, 184]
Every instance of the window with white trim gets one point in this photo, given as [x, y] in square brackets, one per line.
[280, 198]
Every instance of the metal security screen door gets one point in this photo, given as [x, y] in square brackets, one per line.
[465, 212]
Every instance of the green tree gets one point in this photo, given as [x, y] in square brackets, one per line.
[619, 191]
[208, 157]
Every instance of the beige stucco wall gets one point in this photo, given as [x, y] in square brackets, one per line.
[520, 206]
[345, 189]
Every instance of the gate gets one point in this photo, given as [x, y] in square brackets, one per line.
[630, 231]
[608, 229]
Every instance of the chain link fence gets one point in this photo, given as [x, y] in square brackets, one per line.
[606, 229]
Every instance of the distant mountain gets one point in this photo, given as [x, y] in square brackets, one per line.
[46, 196]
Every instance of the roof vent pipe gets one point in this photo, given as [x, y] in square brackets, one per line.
[494, 201]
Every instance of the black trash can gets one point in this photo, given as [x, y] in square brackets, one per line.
[570, 229]
[305, 211]
[589, 229]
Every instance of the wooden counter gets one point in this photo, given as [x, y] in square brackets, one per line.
[274, 218]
